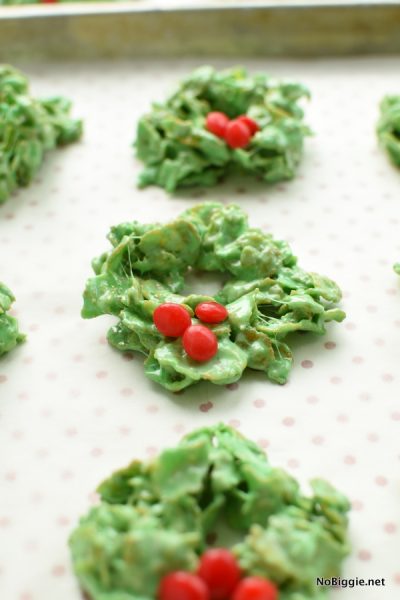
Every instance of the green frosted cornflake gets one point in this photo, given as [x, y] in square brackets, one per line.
[178, 151]
[10, 336]
[155, 517]
[28, 129]
[388, 127]
[267, 295]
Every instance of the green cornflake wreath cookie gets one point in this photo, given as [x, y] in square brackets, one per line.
[10, 335]
[28, 128]
[388, 128]
[178, 151]
[267, 295]
[155, 517]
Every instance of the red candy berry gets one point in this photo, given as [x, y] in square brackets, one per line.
[211, 312]
[220, 571]
[216, 123]
[237, 134]
[255, 588]
[182, 586]
[252, 126]
[171, 319]
[200, 342]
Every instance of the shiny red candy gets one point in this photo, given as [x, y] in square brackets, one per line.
[200, 343]
[211, 312]
[255, 588]
[216, 123]
[252, 126]
[171, 319]
[220, 571]
[182, 586]
[237, 134]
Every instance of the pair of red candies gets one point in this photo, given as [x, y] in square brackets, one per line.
[237, 133]
[218, 578]
[199, 342]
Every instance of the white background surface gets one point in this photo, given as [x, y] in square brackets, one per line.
[72, 409]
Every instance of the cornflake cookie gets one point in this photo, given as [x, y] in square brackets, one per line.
[10, 335]
[197, 337]
[28, 129]
[147, 537]
[222, 121]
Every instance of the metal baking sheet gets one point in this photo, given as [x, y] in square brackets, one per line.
[210, 28]
[72, 409]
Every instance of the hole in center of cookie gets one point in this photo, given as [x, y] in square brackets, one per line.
[203, 283]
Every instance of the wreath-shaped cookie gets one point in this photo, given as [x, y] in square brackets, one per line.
[155, 518]
[28, 129]
[266, 297]
[10, 335]
[388, 127]
[263, 132]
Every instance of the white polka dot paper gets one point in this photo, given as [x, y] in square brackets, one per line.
[72, 409]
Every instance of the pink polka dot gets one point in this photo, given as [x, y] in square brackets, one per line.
[357, 505]
[151, 450]
[336, 380]
[350, 326]
[3, 378]
[288, 421]
[179, 428]
[235, 423]
[126, 392]
[259, 403]
[152, 409]
[307, 364]
[390, 527]
[364, 555]
[101, 374]
[396, 578]
[342, 418]
[372, 437]
[357, 360]
[330, 345]
[71, 432]
[293, 463]
[381, 480]
[232, 386]
[312, 399]
[206, 406]
[58, 570]
[349, 459]
[124, 430]
[365, 397]
[263, 443]
[318, 440]
[395, 416]
[95, 452]
[387, 377]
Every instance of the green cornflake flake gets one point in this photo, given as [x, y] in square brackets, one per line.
[267, 296]
[388, 127]
[10, 335]
[154, 518]
[178, 151]
[397, 268]
[28, 129]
